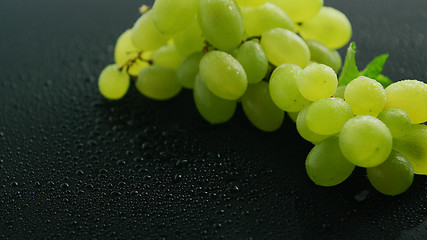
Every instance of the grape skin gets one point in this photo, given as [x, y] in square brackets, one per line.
[317, 81]
[113, 83]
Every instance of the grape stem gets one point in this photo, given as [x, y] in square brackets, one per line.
[131, 61]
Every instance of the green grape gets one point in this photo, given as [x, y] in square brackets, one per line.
[317, 81]
[299, 10]
[305, 132]
[252, 58]
[260, 109]
[365, 141]
[221, 23]
[173, 16]
[413, 145]
[365, 96]
[409, 95]
[190, 39]
[113, 83]
[223, 75]
[327, 116]
[283, 88]
[145, 35]
[293, 116]
[158, 82]
[321, 54]
[189, 69]
[392, 177]
[167, 56]
[326, 165]
[340, 91]
[212, 108]
[284, 46]
[396, 120]
[329, 27]
[250, 3]
[124, 51]
[265, 17]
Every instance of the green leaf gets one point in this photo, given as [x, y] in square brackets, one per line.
[384, 80]
[375, 67]
[349, 70]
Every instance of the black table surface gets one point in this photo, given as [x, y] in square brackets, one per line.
[76, 166]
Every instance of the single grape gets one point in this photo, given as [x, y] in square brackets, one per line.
[283, 88]
[252, 58]
[300, 10]
[317, 81]
[305, 132]
[221, 23]
[250, 3]
[365, 96]
[167, 56]
[326, 165]
[329, 27]
[396, 120]
[409, 95]
[327, 116]
[365, 141]
[158, 82]
[413, 145]
[321, 54]
[284, 46]
[113, 83]
[145, 35]
[392, 177]
[190, 39]
[260, 109]
[223, 75]
[212, 108]
[173, 16]
[262, 18]
[189, 69]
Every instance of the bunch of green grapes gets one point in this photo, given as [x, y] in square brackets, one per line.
[272, 57]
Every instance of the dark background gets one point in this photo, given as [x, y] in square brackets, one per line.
[75, 166]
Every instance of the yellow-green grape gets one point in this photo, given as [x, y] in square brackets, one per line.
[283, 88]
[327, 116]
[299, 10]
[396, 120]
[213, 109]
[223, 75]
[392, 177]
[189, 69]
[340, 91]
[265, 17]
[365, 141]
[221, 23]
[305, 132]
[317, 81]
[326, 165]
[113, 83]
[158, 82]
[167, 56]
[260, 109]
[321, 54]
[250, 3]
[365, 96]
[190, 39]
[413, 145]
[172, 16]
[293, 116]
[125, 51]
[252, 58]
[409, 95]
[329, 27]
[145, 35]
[284, 46]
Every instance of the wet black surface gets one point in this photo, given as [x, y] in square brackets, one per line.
[75, 166]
